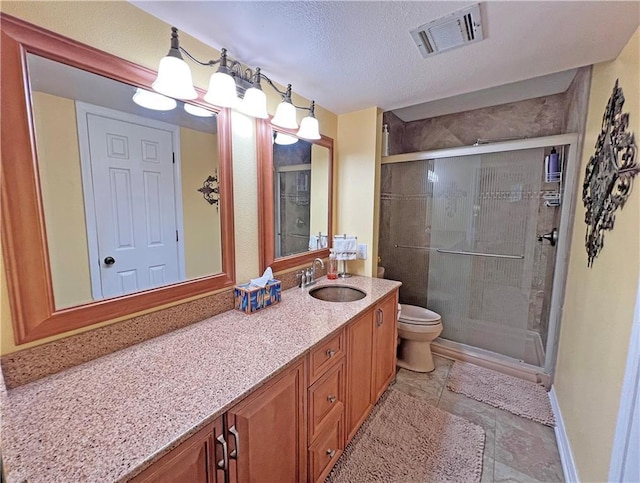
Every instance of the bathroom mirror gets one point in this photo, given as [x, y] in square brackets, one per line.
[295, 197]
[109, 208]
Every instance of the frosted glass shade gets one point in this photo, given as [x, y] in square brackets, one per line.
[153, 100]
[309, 128]
[285, 139]
[222, 91]
[174, 79]
[254, 103]
[197, 111]
[285, 116]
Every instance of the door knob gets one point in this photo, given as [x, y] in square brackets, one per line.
[109, 261]
[551, 237]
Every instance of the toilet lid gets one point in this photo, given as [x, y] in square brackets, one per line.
[411, 314]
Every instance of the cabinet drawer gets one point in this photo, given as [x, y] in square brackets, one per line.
[326, 449]
[326, 394]
[325, 356]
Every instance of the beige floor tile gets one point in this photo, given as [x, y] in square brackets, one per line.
[488, 458]
[421, 393]
[505, 474]
[470, 409]
[532, 453]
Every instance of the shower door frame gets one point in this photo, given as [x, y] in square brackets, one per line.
[571, 170]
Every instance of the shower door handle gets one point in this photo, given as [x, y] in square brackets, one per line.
[551, 237]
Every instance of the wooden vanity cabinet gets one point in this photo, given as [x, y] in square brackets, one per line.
[326, 399]
[371, 360]
[194, 460]
[262, 438]
[385, 340]
[267, 440]
[359, 372]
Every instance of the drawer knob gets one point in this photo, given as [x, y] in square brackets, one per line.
[331, 353]
[331, 399]
[331, 453]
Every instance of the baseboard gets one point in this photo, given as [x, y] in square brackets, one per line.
[566, 456]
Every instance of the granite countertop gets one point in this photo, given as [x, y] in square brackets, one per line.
[107, 419]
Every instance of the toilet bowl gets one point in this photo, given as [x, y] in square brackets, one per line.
[417, 328]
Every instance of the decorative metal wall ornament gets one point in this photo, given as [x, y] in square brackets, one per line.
[609, 174]
[211, 190]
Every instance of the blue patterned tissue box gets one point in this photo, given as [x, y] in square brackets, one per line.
[251, 299]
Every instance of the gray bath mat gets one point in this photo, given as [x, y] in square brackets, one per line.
[520, 397]
[408, 440]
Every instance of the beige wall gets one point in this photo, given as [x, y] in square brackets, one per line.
[359, 161]
[598, 311]
[61, 187]
[199, 159]
[122, 29]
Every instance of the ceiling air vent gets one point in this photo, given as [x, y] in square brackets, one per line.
[456, 29]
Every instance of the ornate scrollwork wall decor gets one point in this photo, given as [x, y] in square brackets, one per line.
[211, 190]
[609, 174]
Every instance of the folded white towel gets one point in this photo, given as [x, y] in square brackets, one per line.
[316, 242]
[345, 247]
[324, 242]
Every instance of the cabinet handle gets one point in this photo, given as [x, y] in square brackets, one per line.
[223, 464]
[380, 317]
[331, 453]
[331, 399]
[235, 454]
[331, 353]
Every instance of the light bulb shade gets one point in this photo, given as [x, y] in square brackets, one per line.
[174, 79]
[309, 128]
[153, 100]
[198, 111]
[222, 91]
[285, 116]
[285, 139]
[254, 103]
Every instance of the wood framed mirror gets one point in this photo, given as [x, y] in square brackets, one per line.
[177, 185]
[295, 197]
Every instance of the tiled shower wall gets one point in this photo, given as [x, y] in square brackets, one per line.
[542, 116]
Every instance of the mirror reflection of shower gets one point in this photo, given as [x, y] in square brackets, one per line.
[292, 178]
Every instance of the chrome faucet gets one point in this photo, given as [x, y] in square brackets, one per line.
[313, 274]
[308, 277]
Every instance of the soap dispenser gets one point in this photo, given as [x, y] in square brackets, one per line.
[332, 269]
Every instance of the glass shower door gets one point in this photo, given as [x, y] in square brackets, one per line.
[482, 248]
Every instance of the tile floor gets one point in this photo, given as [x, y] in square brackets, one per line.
[516, 449]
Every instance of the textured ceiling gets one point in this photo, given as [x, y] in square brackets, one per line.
[352, 55]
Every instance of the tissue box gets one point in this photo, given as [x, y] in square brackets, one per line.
[251, 299]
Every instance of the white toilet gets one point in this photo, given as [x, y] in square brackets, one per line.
[417, 328]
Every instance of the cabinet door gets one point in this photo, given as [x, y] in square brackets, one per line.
[359, 372]
[192, 461]
[267, 432]
[384, 344]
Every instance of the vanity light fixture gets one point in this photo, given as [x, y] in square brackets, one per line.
[153, 100]
[174, 80]
[197, 111]
[284, 139]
